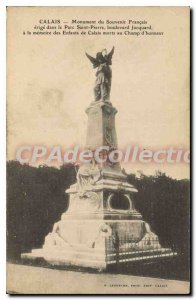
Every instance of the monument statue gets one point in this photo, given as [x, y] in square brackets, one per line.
[101, 226]
[87, 175]
[103, 74]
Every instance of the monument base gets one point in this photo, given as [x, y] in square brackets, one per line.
[96, 259]
[100, 243]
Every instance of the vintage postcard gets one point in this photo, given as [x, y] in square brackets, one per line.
[98, 150]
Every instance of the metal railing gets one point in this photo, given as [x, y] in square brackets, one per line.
[123, 249]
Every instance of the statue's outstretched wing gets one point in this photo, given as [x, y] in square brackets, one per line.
[110, 56]
[93, 60]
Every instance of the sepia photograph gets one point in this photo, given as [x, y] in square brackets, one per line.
[98, 150]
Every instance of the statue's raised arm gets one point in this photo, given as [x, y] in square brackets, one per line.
[110, 56]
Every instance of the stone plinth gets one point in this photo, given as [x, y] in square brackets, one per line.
[101, 125]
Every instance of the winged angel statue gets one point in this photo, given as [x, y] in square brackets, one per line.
[103, 74]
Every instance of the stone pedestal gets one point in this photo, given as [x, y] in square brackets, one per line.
[101, 125]
[101, 226]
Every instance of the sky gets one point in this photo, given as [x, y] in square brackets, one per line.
[50, 82]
